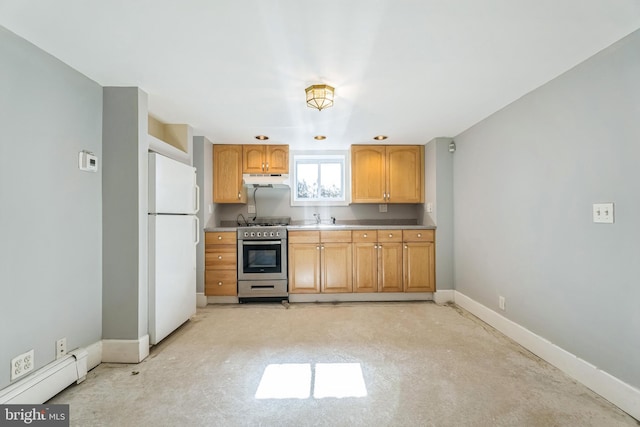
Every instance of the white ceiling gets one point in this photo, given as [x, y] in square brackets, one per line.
[412, 70]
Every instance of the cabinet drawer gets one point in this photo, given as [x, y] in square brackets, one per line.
[303, 236]
[220, 282]
[389, 235]
[418, 235]
[363, 236]
[335, 236]
[220, 257]
[220, 238]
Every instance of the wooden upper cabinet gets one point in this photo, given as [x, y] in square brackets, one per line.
[227, 174]
[405, 174]
[277, 159]
[368, 164]
[387, 174]
[267, 159]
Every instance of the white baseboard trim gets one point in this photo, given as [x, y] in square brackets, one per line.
[362, 297]
[621, 394]
[94, 355]
[46, 382]
[125, 351]
[444, 296]
[201, 299]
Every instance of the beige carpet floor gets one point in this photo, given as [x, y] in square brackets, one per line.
[347, 364]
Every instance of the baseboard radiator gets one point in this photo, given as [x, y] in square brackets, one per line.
[47, 381]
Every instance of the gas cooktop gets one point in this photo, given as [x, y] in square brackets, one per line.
[268, 221]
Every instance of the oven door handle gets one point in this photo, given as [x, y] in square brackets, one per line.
[261, 242]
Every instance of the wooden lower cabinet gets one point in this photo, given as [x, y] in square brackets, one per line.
[304, 267]
[377, 260]
[320, 262]
[419, 261]
[220, 259]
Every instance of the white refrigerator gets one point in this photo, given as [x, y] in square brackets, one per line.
[173, 236]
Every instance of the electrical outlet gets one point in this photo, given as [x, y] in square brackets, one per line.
[603, 213]
[429, 207]
[382, 208]
[22, 364]
[501, 303]
[251, 208]
[61, 348]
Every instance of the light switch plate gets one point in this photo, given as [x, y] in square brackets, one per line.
[603, 213]
[251, 208]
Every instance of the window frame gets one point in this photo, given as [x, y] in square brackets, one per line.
[341, 155]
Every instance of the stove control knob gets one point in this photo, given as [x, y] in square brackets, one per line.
[246, 234]
[277, 234]
[253, 234]
[259, 234]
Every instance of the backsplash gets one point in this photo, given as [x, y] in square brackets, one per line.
[276, 202]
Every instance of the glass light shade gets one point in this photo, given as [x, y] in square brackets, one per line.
[319, 96]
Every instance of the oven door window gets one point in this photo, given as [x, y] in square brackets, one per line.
[260, 258]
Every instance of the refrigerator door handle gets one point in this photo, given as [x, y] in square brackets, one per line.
[197, 198]
[197, 230]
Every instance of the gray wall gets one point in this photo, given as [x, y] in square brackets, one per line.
[125, 200]
[439, 192]
[203, 162]
[525, 180]
[50, 214]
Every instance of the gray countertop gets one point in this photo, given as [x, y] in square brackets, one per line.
[337, 227]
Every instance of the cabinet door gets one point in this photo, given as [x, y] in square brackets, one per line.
[390, 267]
[419, 267]
[277, 159]
[304, 268]
[253, 159]
[405, 174]
[368, 174]
[220, 283]
[227, 174]
[365, 267]
[337, 269]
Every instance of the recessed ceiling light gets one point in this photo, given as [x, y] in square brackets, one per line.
[262, 137]
[319, 137]
[380, 137]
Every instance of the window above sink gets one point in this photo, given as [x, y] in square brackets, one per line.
[320, 179]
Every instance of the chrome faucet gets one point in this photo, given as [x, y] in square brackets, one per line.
[317, 215]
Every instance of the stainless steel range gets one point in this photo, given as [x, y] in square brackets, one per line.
[262, 259]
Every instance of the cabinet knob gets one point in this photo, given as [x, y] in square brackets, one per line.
[263, 166]
[364, 235]
[405, 246]
[419, 234]
[390, 235]
[239, 195]
[219, 283]
[219, 237]
[318, 248]
[219, 256]
[267, 165]
[375, 246]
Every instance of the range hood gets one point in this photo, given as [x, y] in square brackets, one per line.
[262, 180]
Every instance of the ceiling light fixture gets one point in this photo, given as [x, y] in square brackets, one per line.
[380, 137]
[320, 137]
[262, 137]
[319, 96]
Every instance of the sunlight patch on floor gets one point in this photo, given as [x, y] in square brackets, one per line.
[294, 381]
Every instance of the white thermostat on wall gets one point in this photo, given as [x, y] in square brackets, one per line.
[87, 161]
